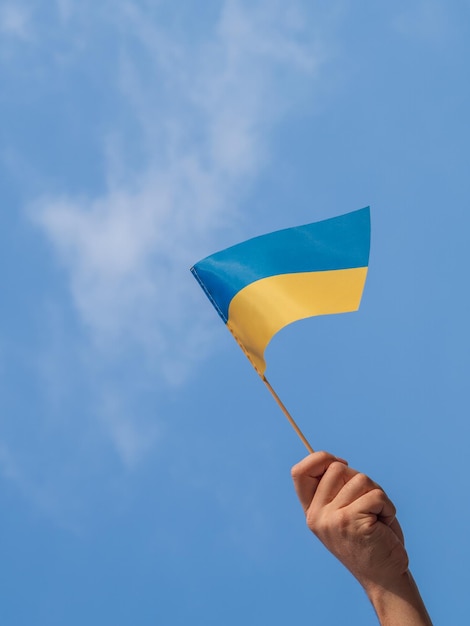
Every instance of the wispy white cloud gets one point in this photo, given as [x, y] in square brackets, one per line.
[65, 8]
[37, 492]
[188, 136]
[190, 117]
[131, 434]
[15, 20]
[128, 251]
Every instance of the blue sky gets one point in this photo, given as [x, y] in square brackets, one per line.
[144, 469]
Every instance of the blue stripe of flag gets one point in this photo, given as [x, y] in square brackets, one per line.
[337, 243]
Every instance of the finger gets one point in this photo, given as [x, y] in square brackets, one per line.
[307, 474]
[357, 486]
[336, 476]
[375, 502]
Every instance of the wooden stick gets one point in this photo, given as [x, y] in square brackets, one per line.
[288, 415]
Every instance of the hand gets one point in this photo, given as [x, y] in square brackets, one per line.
[355, 520]
[352, 517]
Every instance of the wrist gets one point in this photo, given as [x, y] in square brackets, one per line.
[398, 602]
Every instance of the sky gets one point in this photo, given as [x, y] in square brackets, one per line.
[144, 468]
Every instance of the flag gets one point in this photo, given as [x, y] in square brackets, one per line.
[261, 285]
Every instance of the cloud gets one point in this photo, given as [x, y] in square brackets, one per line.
[202, 109]
[190, 111]
[65, 9]
[189, 107]
[132, 435]
[15, 21]
[31, 489]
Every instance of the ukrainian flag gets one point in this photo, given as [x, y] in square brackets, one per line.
[261, 285]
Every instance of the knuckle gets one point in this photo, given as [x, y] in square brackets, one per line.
[364, 481]
[314, 521]
[315, 462]
[379, 494]
[296, 472]
[388, 503]
[324, 457]
[311, 521]
[336, 467]
[342, 519]
[381, 498]
[326, 524]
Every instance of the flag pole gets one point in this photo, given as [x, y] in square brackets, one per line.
[272, 392]
[287, 414]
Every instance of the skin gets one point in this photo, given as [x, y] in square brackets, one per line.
[354, 518]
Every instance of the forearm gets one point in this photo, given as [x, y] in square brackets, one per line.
[399, 604]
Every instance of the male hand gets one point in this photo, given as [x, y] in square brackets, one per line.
[355, 520]
[353, 517]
